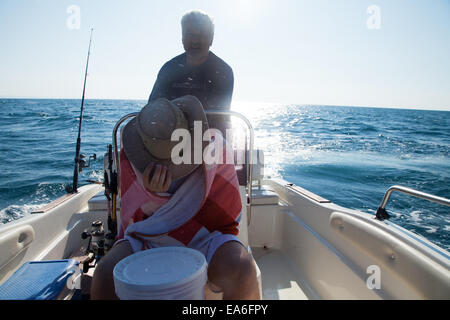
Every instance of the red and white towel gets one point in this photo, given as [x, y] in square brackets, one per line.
[202, 214]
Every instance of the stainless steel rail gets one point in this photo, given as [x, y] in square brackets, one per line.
[250, 157]
[114, 139]
[381, 212]
[222, 113]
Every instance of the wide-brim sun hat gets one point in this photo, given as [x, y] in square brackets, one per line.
[146, 139]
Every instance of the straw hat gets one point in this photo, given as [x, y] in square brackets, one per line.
[147, 138]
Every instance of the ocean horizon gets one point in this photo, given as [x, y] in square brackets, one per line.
[243, 102]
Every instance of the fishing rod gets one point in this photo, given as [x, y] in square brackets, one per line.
[111, 195]
[80, 163]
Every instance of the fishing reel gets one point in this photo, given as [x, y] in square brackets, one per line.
[98, 245]
[82, 161]
[80, 164]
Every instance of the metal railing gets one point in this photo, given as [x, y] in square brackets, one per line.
[221, 113]
[114, 139]
[381, 212]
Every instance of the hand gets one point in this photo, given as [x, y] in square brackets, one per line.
[160, 180]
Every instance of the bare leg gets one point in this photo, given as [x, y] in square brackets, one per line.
[232, 269]
[102, 287]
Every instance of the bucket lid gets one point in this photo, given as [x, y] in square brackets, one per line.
[159, 268]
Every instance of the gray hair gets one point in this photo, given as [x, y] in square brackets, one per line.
[200, 18]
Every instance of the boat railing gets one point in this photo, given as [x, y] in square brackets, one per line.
[216, 113]
[382, 213]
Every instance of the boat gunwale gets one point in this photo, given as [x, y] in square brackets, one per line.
[418, 242]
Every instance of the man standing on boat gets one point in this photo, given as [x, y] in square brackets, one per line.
[198, 71]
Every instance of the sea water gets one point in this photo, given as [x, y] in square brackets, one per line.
[349, 155]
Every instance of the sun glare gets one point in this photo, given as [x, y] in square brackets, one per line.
[247, 7]
[244, 10]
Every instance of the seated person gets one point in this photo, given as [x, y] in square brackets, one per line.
[194, 204]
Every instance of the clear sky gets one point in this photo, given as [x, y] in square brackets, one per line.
[281, 51]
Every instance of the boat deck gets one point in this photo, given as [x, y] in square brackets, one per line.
[279, 281]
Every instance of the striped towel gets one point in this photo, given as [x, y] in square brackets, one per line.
[206, 206]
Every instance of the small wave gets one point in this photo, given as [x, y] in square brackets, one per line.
[397, 214]
[430, 229]
[368, 128]
[415, 216]
[96, 175]
[15, 212]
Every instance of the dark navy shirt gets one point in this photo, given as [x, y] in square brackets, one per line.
[211, 82]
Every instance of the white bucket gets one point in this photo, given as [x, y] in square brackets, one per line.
[166, 273]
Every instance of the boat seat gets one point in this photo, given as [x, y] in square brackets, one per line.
[99, 202]
[264, 196]
[40, 280]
